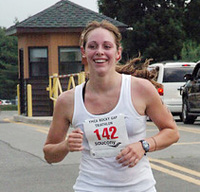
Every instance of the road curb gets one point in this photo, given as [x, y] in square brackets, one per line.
[33, 120]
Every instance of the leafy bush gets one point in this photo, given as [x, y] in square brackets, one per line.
[8, 107]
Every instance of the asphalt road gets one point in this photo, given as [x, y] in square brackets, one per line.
[23, 169]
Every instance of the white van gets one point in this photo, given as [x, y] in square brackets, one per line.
[171, 76]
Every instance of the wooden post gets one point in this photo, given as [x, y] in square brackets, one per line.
[55, 88]
[29, 100]
[81, 77]
[18, 100]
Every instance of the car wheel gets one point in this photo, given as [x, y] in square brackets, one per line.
[181, 117]
[187, 119]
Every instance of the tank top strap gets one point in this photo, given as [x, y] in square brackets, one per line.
[78, 103]
[126, 90]
[126, 103]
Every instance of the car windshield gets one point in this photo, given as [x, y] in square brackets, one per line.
[176, 74]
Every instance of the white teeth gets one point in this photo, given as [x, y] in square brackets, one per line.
[100, 61]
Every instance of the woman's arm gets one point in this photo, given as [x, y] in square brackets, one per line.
[57, 146]
[147, 101]
[163, 119]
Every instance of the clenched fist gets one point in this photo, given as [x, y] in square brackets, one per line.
[75, 140]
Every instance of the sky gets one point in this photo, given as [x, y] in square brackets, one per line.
[22, 9]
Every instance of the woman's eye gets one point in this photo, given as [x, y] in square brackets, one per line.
[91, 46]
[107, 46]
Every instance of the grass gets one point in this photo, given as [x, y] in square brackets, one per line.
[8, 107]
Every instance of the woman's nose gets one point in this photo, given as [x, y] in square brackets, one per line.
[99, 51]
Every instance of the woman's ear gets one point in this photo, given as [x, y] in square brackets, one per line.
[83, 52]
[119, 54]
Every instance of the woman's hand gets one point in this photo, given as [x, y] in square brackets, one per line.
[131, 155]
[74, 140]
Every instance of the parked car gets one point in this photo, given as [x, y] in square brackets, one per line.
[5, 102]
[191, 96]
[171, 76]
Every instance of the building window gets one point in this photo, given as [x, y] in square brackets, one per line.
[69, 60]
[38, 61]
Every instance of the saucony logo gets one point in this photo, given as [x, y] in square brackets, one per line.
[115, 145]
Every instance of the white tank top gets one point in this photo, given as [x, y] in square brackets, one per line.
[105, 174]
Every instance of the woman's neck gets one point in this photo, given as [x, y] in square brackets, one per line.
[101, 84]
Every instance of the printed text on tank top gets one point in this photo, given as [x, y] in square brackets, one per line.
[106, 135]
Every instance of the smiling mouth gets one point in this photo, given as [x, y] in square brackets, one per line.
[100, 60]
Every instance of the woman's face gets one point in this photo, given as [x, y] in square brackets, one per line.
[101, 51]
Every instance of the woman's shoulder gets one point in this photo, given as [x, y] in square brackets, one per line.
[142, 86]
[66, 97]
[141, 82]
[64, 106]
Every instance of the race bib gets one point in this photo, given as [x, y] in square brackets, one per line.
[106, 136]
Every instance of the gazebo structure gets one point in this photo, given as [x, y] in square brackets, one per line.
[48, 43]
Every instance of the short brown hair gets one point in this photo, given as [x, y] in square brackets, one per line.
[103, 24]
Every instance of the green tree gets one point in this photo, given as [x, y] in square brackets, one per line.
[158, 30]
[190, 51]
[8, 65]
[192, 20]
